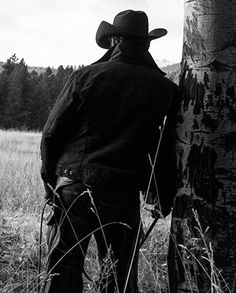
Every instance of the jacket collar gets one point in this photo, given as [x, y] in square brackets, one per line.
[132, 53]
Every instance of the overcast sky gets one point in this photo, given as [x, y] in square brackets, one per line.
[62, 32]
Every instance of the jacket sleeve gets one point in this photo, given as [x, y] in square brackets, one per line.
[57, 131]
[166, 166]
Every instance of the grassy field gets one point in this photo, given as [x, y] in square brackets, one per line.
[20, 207]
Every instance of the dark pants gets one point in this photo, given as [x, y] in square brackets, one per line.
[76, 218]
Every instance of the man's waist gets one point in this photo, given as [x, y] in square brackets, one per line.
[100, 176]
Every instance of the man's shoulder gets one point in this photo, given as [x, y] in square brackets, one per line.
[164, 81]
[90, 68]
[158, 79]
[81, 70]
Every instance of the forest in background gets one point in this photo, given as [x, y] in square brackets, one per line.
[27, 94]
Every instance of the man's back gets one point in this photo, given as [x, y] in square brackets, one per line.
[122, 103]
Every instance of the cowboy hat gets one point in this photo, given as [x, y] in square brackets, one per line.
[128, 23]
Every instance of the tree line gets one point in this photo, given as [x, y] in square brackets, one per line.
[27, 96]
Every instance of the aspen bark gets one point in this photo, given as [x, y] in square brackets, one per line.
[206, 152]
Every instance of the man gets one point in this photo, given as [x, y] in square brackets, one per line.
[94, 151]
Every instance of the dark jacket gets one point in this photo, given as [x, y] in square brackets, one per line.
[106, 119]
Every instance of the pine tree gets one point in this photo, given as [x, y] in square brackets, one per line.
[8, 68]
[16, 109]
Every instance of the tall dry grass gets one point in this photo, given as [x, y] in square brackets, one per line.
[20, 204]
[21, 201]
[20, 183]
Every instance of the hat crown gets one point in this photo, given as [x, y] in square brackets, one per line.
[132, 21]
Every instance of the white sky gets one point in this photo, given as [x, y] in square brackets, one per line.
[62, 32]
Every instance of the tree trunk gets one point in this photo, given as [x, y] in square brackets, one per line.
[206, 153]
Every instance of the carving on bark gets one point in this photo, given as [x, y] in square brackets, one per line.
[206, 149]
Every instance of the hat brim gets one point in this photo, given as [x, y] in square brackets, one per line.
[105, 30]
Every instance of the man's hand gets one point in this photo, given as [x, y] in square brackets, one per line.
[48, 191]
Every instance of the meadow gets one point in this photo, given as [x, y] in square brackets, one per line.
[21, 201]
